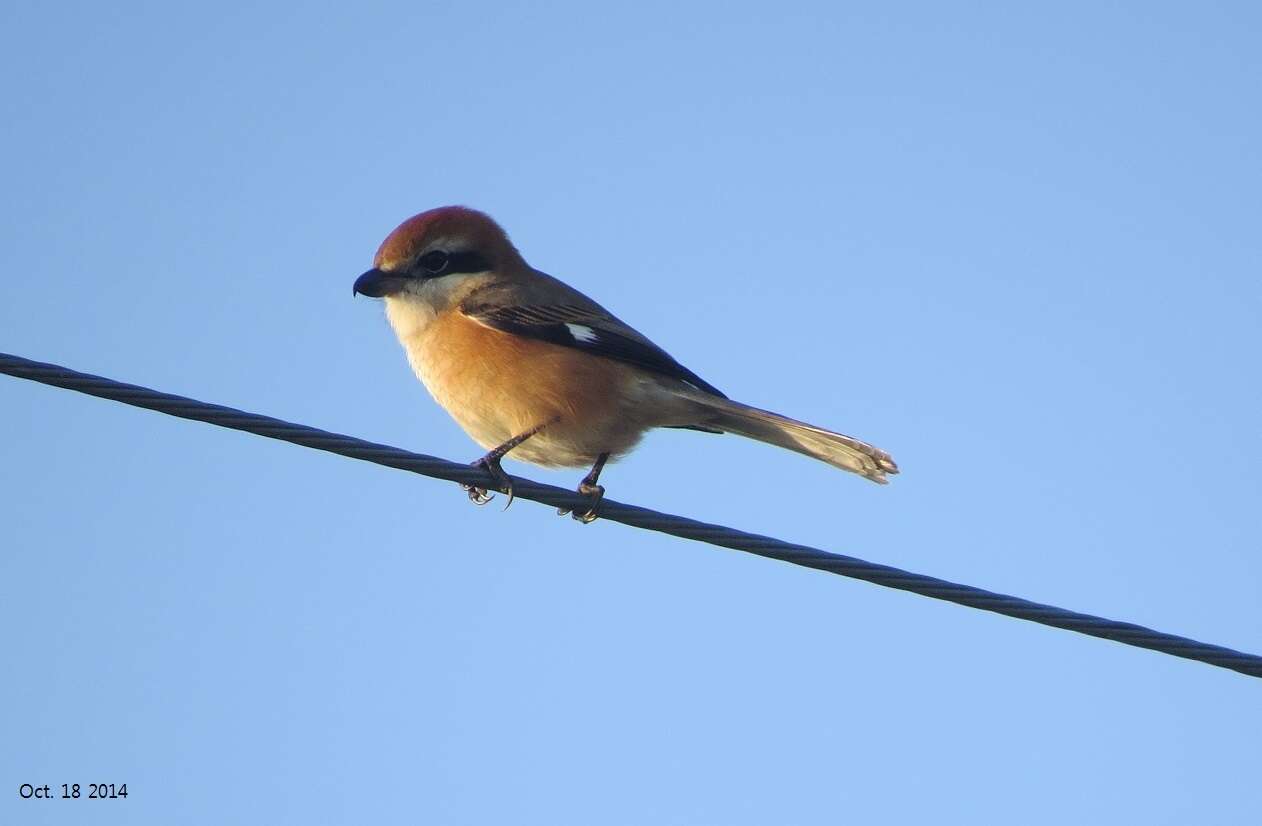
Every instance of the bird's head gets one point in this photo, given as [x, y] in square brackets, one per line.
[435, 251]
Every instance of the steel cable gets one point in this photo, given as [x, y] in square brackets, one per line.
[681, 526]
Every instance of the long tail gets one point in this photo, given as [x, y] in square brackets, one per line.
[772, 428]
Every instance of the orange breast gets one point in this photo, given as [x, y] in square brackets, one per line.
[497, 385]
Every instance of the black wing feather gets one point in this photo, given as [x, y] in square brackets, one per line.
[557, 324]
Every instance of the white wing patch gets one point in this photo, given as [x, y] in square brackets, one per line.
[581, 332]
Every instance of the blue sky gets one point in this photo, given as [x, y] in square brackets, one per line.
[1017, 247]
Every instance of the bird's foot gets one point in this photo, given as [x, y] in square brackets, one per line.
[480, 495]
[595, 493]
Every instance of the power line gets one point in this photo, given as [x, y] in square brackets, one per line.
[185, 408]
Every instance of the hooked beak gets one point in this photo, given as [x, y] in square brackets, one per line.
[378, 283]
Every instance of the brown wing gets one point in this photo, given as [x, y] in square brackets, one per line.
[573, 321]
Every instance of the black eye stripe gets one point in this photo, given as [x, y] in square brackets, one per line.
[434, 262]
[467, 261]
[437, 262]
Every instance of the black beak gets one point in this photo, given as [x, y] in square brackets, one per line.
[377, 283]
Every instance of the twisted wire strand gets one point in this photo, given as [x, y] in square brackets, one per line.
[637, 517]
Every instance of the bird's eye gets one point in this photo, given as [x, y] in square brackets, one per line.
[434, 262]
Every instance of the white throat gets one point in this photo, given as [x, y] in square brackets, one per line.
[411, 311]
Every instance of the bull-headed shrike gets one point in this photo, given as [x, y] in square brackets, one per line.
[527, 364]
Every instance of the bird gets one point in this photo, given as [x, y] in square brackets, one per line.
[528, 365]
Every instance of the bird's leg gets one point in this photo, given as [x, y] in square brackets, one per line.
[588, 487]
[491, 464]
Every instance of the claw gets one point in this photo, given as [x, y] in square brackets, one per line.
[596, 492]
[480, 495]
[589, 488]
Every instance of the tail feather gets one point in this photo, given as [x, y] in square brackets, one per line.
[837, 450]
